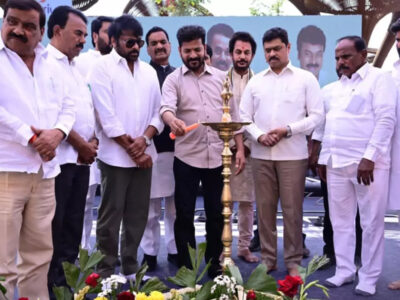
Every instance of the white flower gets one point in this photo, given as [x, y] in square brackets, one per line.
[224, 297]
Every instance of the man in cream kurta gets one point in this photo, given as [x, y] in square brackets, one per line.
[242, 49]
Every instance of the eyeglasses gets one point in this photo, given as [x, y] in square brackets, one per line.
[131, 42]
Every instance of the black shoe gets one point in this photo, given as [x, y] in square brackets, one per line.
[151, 262]
[214, 271]
[306, 252]
[173, 259]
[255, 244]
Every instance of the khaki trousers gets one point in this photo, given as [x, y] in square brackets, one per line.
[282, 180]
[242, 188]
[27, 204]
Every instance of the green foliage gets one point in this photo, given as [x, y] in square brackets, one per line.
[183, 8]
[188, 278]
[260, 281]
[3, 290]
[76, 275]
[261, 8]
[153, 284]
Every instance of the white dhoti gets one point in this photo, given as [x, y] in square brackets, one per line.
[94, 181]
[344, 195]
[162, 187]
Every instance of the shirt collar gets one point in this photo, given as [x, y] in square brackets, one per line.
[361, 72]
[57, 53]
[396, 64]
[118, 59]
[207, 69]
[158, 67]
[289, 67]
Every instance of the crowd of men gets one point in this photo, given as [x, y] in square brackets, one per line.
[71, 121]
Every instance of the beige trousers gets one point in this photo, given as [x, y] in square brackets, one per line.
[27, 205]
[242, 189]
[282, 180]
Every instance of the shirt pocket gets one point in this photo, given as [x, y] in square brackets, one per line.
[357, 105]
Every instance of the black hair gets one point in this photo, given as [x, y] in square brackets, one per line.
[190, 33]
[59, 17]
[209, 51]
[155, 29]
[220, 28]
[359, 42]
[276, 33]
[244, 37]
[125, 22]
[26, 5]
[395, 26]
[97, 23]
[311, 34]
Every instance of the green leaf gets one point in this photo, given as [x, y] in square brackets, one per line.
[192, 255]
[259, 280]
[235, 273]
[201, 251]
[204, 271]
[3, 290]
[153, 284]
[71, 274]
[81, 283]
[316, 263]
[62, 293]
[303, 273]
[83, 258]
[139, 276]
[184, 277]
[205, 292]
[93, 260]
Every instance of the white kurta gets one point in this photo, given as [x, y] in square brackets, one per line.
[394, 185]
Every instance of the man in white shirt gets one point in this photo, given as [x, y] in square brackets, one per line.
[394, 192]
[85, 62]
[355, 159]
[242, 49]
[67, 31]
[126, 97]
[34, 119]
[162, 181]
[284, 104]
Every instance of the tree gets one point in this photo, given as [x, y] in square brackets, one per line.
[261, 8]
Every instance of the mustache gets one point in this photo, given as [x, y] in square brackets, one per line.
[343, 68]
[273, 58]
[160, 50]
[22, 38]
[134, 52]
[193, 59]
[312, 66]
[80, 45]
[242, 61]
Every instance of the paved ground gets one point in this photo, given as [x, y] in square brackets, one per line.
[313, 208]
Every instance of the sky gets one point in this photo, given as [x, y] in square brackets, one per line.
[241, 8]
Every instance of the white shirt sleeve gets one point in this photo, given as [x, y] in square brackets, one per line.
[100, 84]
[156, 121]
[314, 107]
[384, 106]
[247, 112]
[13, 128]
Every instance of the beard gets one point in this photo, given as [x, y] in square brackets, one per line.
[103, 47]
[241, 68]
[199, 60]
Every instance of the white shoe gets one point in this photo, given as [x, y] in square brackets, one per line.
[365, 290]
[336, 281]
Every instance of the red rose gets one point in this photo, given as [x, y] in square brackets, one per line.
[92, 279]
[251, 295]
[289, 285]
[125, 296]
[23, 298]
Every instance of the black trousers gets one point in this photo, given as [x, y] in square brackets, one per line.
[187, 180]
[71, 187]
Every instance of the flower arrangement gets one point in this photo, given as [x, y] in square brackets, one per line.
[229, 286]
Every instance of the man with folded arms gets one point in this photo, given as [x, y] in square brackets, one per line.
[126, 96]
[34, 118]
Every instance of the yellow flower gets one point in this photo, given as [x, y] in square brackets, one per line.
[141, 296]
[100, 298]
[155, 295]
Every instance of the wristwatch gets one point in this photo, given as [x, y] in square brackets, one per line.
[147, 140]
[289, 131]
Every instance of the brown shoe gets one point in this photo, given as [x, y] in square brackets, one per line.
[395, 285]
[247, 256]
[294, 271]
